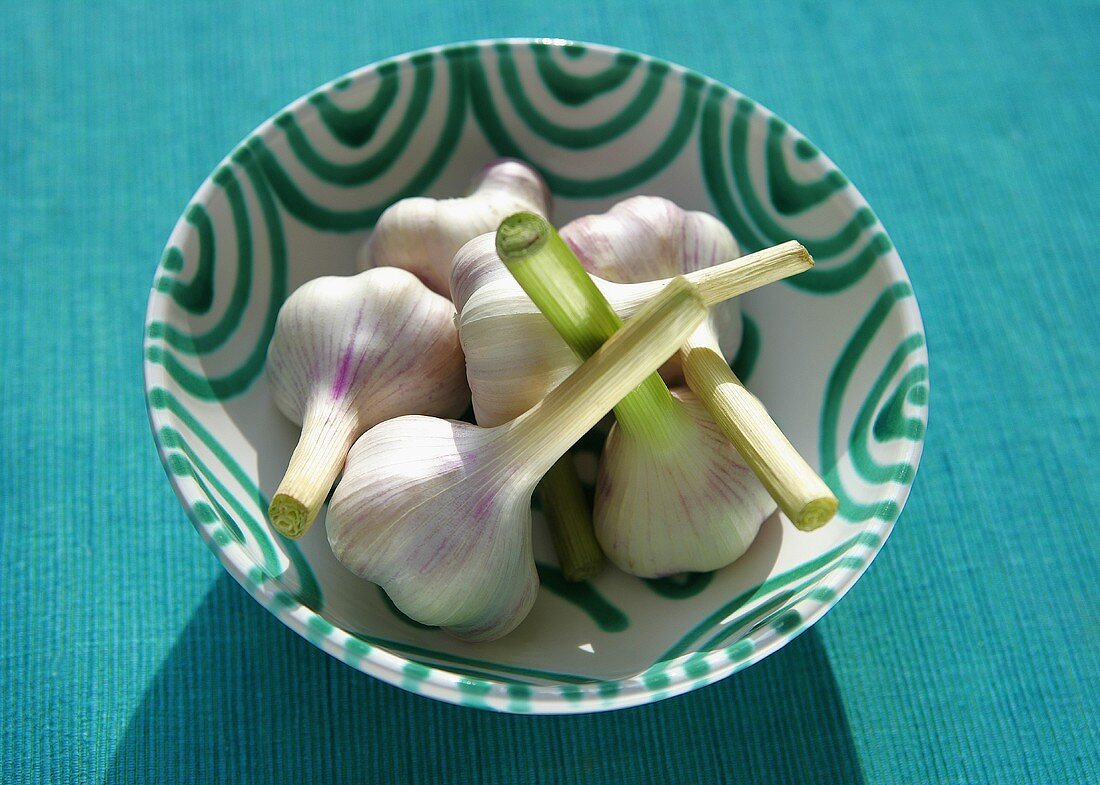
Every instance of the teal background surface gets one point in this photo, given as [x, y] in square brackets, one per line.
[969, 652]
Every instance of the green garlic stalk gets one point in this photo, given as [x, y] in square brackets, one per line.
[421, 234]
[438, 512]
[672, 495]
[646, 237]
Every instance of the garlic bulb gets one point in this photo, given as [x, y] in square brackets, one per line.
[676, 500]
[438, 512]
[422, 235]
[350, 352]
[646, 237]
[672, 494]
[514, 356]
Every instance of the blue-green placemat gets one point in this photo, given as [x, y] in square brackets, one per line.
[970, 652]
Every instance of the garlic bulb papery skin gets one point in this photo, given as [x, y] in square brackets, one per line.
[346, 354]
[438, 513]
[514, 356]
[645, 238]
[422, 235]
[517, 359]
[683, 502]
[672, 493]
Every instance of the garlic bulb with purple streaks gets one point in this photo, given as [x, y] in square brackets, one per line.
[438, 512]
[646, 237]
[346, 354]
[676, 499]
[422, 235]
[672, 494]
[514, 356]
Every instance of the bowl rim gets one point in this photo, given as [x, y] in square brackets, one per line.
[435, 681]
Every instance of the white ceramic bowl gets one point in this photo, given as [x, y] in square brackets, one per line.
[837, 354]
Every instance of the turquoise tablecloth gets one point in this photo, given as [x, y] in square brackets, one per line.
[970, 652]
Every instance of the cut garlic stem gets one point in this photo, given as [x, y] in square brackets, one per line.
[438, 512]
[314, 466]
[733, 278]
[534, 253]
[554, 424]
[513, 354]
[569, 518]
[796, 487]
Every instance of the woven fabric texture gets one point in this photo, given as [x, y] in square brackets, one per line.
[970, 651]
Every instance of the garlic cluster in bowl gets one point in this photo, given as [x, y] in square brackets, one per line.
[437, 511]
[836, 354]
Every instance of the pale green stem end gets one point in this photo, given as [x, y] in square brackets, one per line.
[547, 269]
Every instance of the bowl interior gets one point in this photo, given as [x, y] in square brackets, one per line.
[837, 354]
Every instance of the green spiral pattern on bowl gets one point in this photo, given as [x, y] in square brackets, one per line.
[766, 214]
[426, 68]
[882, 416]
[183, 459]
[236, 381]
[485, 107]
[764, 180]
[569, 88]
[585, 137]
